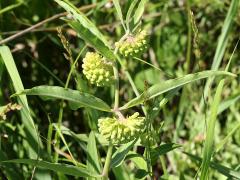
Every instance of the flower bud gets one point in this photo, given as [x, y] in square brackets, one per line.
[133, 45]
[97, 69]
[121, 131]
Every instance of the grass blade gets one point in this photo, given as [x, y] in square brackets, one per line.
[222, 42]
[139, 12]
[81, 19]
[10, 170]
[129, 13]
[228, 102]
[56, 92]
[208, 146]
[93, 163]
[57, 167]
[168, 85]
[119, 12]
[225, 140]
[230, 173]
[27, 120]
[10, 7]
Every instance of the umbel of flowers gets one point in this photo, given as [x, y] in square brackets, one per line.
[97, 69]
[133, 45]
[120, 131]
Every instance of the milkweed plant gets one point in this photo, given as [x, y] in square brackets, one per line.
[125, 132]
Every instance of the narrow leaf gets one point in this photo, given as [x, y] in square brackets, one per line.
[121, 153]
[92, 40]
[82, 19]
[138, 160]
[168, 85]
[57, 167]
[93, 163]
[140, 163]
[208, 145]
[119, 12]
[130, 10]
[226, 139]
[222, 42]
[161, 150]
[139, 12]
[87, 30]
[26, 118]
[228, 102]
[56, 92]
[230, 173]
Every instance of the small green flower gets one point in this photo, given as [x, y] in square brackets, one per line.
[121, 131]
[97, 69]
[133, 45]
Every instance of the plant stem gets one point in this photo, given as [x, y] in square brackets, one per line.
[60, 114]
[116, 75]
[108, 161]
[189, 39]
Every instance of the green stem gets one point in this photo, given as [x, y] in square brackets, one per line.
[116, 75]
[60, 114]
[189, 39]
[116, 105]
[136, 92]
[163, 165]
[49, 136]
[56, 137]
[108, 161]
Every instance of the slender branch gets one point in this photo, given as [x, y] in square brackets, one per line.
[21, 33]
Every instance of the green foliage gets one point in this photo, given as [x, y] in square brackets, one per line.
[63, 168]
[63, 116]
[55, 92]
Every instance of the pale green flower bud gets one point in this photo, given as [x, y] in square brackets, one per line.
[97, 69]
[121, 131]
[133, 45]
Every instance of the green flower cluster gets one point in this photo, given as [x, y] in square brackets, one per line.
[97, 69]
[133, 45]
[121, 131]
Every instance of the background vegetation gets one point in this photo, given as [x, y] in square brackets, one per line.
[184, 37]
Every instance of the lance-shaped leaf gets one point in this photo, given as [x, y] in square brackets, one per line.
[56, 92]
[139, 12]
[168, 85]
[119, 156]
[57, 167]
[161, 150]
[91, 39]
[93, 160]
[226, 171]
[87, 30]
[30, 130]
